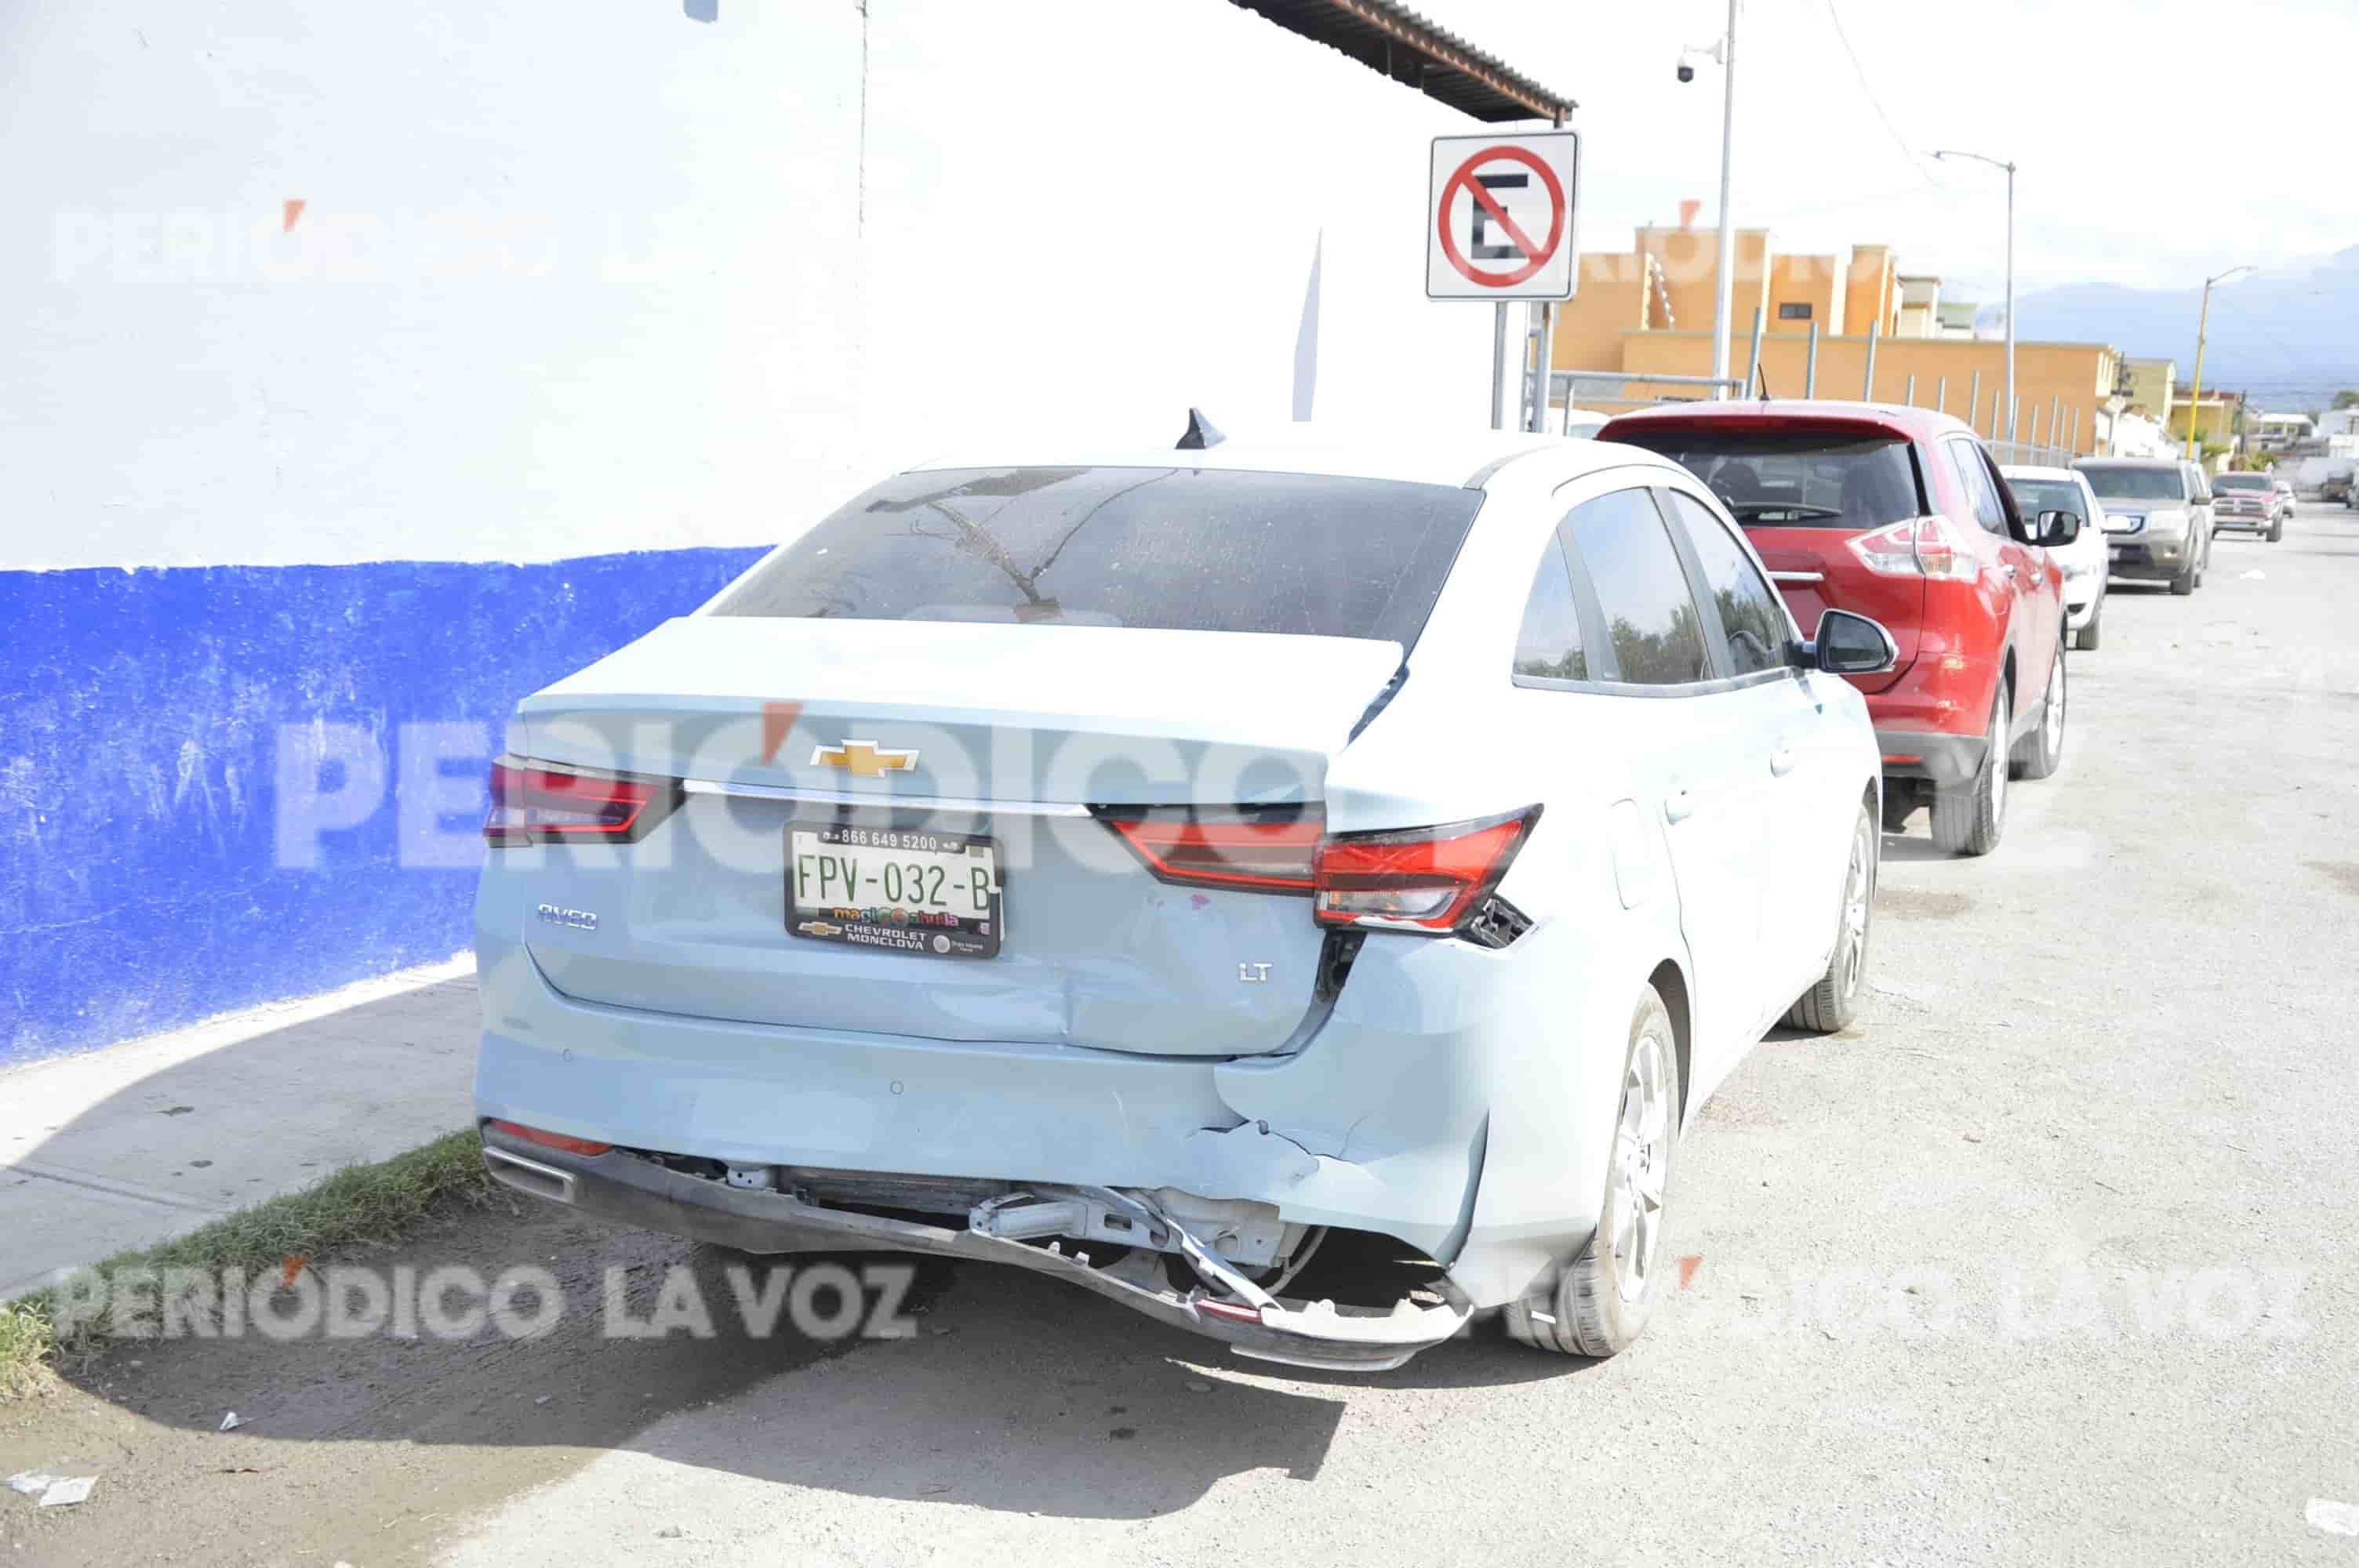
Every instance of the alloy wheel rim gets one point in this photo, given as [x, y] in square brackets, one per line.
[1855, 898]
[1641, 1166]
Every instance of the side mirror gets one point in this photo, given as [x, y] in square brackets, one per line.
[2057, 528]
[1848, 644]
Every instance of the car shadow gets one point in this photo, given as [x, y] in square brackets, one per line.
[1083, 1408]
[1909, 848]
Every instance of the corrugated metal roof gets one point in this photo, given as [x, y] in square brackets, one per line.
[1396, 41]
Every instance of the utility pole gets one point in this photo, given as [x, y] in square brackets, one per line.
[1727, 289]
[2203, 332]
[2009, 168]
[1725, 283]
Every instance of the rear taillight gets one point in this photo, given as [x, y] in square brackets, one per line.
[535, 803]
[1422, 879]
[1427, 879]
[1921, 546]
[1257, 851]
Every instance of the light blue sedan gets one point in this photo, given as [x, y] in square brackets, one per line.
[1189, 872]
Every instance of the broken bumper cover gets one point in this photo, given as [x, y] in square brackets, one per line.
[630, 1190]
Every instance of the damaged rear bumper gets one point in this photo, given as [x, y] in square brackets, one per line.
[628, 1189]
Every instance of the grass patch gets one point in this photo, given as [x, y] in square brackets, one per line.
[357, 1207]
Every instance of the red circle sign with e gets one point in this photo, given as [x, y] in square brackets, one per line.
[1537, 255]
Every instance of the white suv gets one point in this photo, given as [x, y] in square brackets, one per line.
[2038, 490]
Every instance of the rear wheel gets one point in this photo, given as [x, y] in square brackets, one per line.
[1969, 817]
[2038, 756]
[1833, 1003]
[1598, 1302]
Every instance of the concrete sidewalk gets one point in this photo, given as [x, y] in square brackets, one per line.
[134, 1143]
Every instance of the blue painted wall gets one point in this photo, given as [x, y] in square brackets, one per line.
[140, 717]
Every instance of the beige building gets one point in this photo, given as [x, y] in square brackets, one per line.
[2152, 384]
[1649, 309]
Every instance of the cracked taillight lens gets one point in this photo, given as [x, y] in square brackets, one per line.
[1426, 879]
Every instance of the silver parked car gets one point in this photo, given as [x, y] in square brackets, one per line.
[2158, 518]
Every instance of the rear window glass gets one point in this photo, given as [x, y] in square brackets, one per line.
[1168, 548]
[2034, 496]
[1793, 479]
[2162, 482]
[2241, 482]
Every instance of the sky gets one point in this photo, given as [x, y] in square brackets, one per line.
[2119, 181]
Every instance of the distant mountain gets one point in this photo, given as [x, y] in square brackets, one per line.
[2289, 338]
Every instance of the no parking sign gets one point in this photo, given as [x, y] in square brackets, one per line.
[1498, 217]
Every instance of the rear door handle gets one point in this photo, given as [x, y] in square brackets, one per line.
[1781, 761]
[1679, 805]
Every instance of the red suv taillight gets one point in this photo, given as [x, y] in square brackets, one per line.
[1421, 879]
[1921, 546]
[535, 803]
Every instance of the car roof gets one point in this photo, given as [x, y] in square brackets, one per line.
[2128, 463]
[1921, 423]
[1467, 459]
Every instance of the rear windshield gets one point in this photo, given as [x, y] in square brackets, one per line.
[1168, 547]
[2241, 482]
[2034, 496]
[1793, 479]
[2136, 484]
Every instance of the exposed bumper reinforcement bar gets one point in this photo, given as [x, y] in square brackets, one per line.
[632, 1191]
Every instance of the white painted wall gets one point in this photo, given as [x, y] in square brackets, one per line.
[576, 279]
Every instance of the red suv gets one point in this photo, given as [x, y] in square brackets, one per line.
[1899, 515]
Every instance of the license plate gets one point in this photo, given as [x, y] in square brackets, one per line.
[937, 893]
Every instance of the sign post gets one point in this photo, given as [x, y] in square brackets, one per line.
[1499, 227]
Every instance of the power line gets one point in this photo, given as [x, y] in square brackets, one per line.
[1873, 101]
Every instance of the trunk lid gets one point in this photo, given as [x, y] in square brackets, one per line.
[895, 734]
[1817, 570]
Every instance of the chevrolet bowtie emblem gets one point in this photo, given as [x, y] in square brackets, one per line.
[864, 759]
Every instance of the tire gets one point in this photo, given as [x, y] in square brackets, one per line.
[2086, 637]
[2184, 583]
[1969, 819]
[1833, 1001]
[2277, 531]
[1594, 1305]
[2039, 754]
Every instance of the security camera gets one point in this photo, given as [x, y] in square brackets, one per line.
[1687, 72]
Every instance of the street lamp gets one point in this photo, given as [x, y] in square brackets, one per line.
[1995, 163]
[1725, 53]
[2203, 329]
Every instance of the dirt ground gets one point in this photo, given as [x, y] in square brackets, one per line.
[341, 1450]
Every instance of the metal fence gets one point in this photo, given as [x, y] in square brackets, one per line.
[2047, 434]
[2027, 455]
